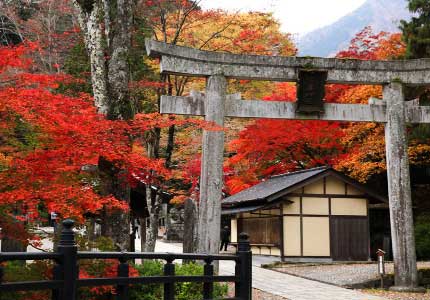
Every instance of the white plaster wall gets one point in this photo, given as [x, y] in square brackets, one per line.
[335, 186]
[316, 236]
[233, 231]
[315, 188]
[349, 206]
[315, 206]
[292, 208]
[292, 238]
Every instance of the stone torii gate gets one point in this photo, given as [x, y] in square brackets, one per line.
[216, 105]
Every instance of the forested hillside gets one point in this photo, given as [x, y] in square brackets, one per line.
[381, 15]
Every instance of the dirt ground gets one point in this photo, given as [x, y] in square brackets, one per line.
[257, 294]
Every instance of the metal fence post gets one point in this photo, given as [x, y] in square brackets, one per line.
[208, 287]
[169, 287]
[69, 268]
[1, 271]
[243, 288]
[57, 275]
[123, 271]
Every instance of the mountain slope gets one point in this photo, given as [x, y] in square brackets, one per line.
[382, 15]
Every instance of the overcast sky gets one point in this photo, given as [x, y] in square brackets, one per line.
[296, 16]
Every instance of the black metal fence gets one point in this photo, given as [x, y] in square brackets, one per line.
[66, 281]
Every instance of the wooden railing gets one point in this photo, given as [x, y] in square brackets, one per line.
[66, 281]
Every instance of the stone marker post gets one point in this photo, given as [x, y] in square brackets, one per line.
[399, 190]
[212, 167]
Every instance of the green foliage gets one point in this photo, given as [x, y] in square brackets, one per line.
[416, 32]
[148, 291]
[101, 243]
[183, 291]
[19, 271]
[78, 65]
[192, 290]
[23, 136]
[422, 237]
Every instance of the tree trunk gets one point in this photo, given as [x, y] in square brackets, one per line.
[88, 21]
[116, 224]
[110, 82]
[11, 245]
[142, 222]
[120, 106]
[154, 206]
[170, 146]
[190, 227]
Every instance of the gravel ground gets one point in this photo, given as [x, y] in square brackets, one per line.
[398, 296]
[339, 274]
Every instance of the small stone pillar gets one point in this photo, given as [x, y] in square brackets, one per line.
[399, 190]
[211, 179]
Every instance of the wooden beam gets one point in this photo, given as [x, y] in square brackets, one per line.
[287, 110]
[192, 62]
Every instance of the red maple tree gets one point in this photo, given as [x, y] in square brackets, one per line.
[52, 140]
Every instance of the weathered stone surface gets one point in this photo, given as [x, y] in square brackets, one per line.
[211, 171]
[190, 226]
[193, 62]
[399, 189]
[175, 225]
[287, 110]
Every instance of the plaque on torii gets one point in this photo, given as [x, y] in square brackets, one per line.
[311, 74]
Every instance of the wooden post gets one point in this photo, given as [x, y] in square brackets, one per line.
[69, 268]
[243, 288]
[208, 287]
[399, 190]
[211, 170]
[122, 292]
[169, 287]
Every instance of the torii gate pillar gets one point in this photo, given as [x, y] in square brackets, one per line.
[212, 167]
[399, 190]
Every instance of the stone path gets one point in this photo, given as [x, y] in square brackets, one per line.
[284, 285]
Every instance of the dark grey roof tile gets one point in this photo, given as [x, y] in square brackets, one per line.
[273, 185]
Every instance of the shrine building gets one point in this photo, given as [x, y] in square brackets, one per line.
[315, 214]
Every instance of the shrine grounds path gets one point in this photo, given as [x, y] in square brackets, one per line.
[280, 284]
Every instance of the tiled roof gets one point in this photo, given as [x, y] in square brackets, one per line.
[273, 185]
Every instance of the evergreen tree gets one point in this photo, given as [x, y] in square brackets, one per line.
[416, 32]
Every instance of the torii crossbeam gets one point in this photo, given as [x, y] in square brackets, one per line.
[216, 105]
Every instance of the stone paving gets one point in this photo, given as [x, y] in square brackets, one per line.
[284, 285]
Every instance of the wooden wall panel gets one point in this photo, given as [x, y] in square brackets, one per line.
[262, 230]
[349, 238]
